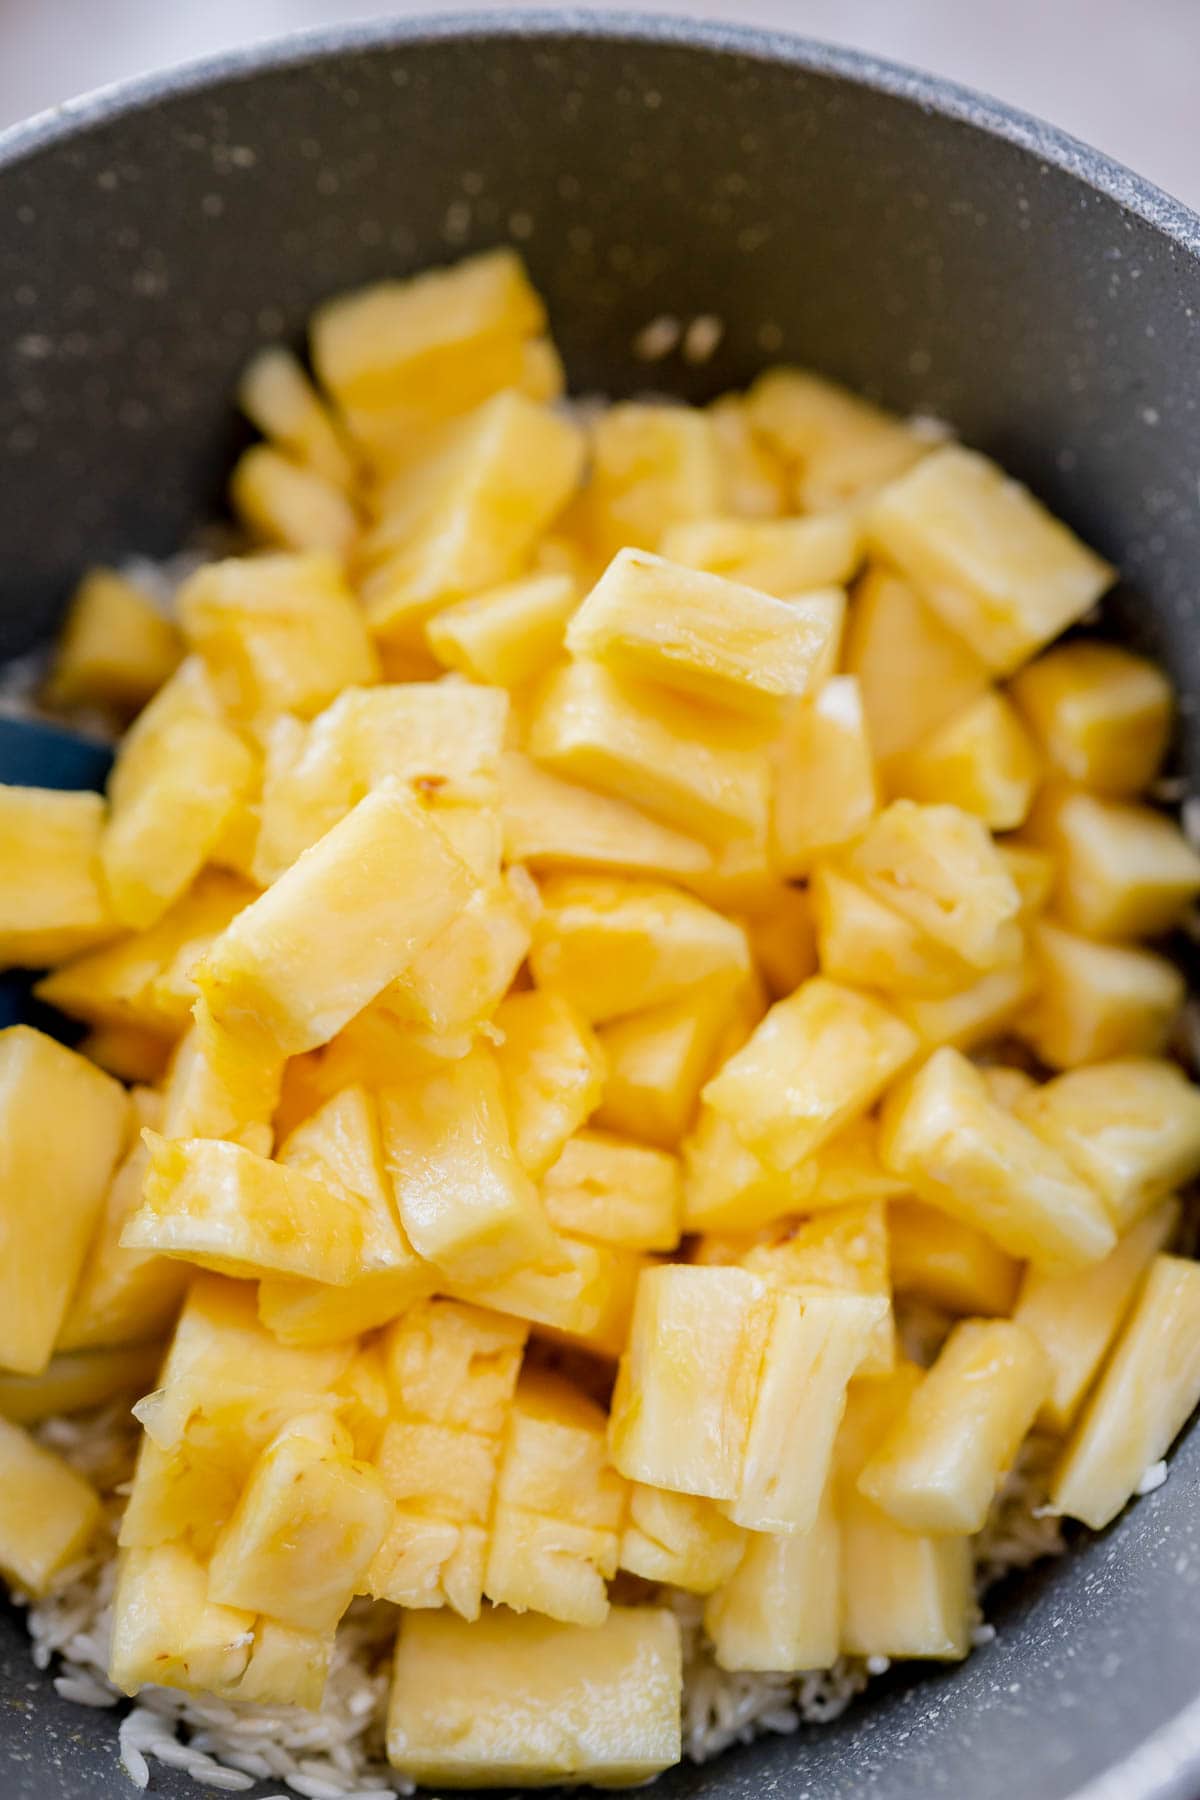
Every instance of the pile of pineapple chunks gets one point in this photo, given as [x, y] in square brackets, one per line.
[568, 897]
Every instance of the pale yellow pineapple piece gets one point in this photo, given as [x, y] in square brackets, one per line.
[652, 466]
[1130, 1127]
[508, 635]
[288, 505]
[686, 1387]
[115, 648]
[982, 760]
[307, 1525]
[951, 1264]
[458, 980]
[784, 941]
[1102, 715]
[824, 789]
[580, 1297]
[1094, 1001]
[53, 901]
[743, 876]
[611, 1191]
[48, 1512]
[62, 1127]
[314, 1313]
[1076, 1317]
[553, 1070]
[287, 1666]
[816, 1062]
[703, 635]
[75, 1380]
[277, 396]
[614, 946]
[966, 1154]
[783, 557]
[681, 1539]
[374, 1050]
[939, 1466]
[753, 481]
[549, 823]
[1121, 870]
[914, 672]
[222, 1083]
[839, 446]
[987, 555]
[529, 1702]
[842, 1250]
[455, 1365]
[727, 1187]
[938, 867]
[696, 770]
[847, 1168]
[985, 1009]
[127, 1052]
[345, 920]
[1032, 871]
[166, 1631]
[862, 940]
[782, 1606]
[1148, 1389]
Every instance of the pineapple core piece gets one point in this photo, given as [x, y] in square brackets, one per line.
[914, 672]
[529, 1702]
[1102, 715]
[982, 760]
[679, 1538]
[167, 1632]
[784, 557]
[48, 1512]
[825, 791]
[115, 648]
[1095, 1001]
[1144, 1397]
[53, 901]
[781, 1608]
[614, 1192]
[938, 1468]
[52, 1183]
[552, 1067]
[551, 824]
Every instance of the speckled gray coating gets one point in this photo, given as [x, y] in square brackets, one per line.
[926, 245]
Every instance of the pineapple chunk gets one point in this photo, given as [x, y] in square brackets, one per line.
[223, 1207]
[614, 946]
[576, 1298]
[860, 939]
[48, 1512]
[74, 1380]
[307, 1525]
[464, 1199]
[986, 554]
[914, 672]
[1076, 1317]
[508, 635]
[696, 770]
[115, 647]
[391, 879]
[52, 1184]
[1130, 1128]
[844, 1249]
[753, 481]
[686, 1386]
[783, 557]
[314, 1313]
[824, 790]
[784, 942]
[727, 1187]
[848, 1169]
[553, 824]
[1102, 716]
[168, 1633]
[552, 1066]
[222, 1084]
[287, 1666]
[939, 1466]
[455, 1365]
[1095, 1001]
[985, 1009]
[1032, 871]
[782, 1606]
[53, 902]
[680, 1539]
[127, 1052]
[938, 868]
[529, 1702]
[951, 1264]
[614, 1192]
[982, 760]
[838, 445]
[653, 466]
[1121, 870]
[276, 396]
[702, 635]
[967, 1155]
[817, 1060]
[1142, 1400]
[283, 503]
[455, 984]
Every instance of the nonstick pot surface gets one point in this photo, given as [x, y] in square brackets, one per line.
[923, 245]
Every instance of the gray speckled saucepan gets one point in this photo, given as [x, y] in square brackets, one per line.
[926, 245]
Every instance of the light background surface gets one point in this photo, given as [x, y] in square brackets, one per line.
[1122, 74]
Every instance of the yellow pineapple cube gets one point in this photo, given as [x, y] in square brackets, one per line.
[1094, 1001]
[115, 647]
[1121, 870]
[614, 1192]
[951, 1264]
[314, 1313]
[508, 635]
[824, 790]
[783, 557]
[848, 1168]
[1102, 715]
[699, 771]
[753, 481]
[127, 1052]
[938, 867]
[529, 1702]
[784, 942]
[286, 504]
[168, 1633]
[963, 1152]
[938, 1468]
[652, 466]
[982, 760]
[842, 1250]
[613, 946]
[222, 1083]
[687, 1382]
[287, 1666]
[277, 396]
[74, 1380]
[552, 1066]
[818, 1059]
[1076, 1317]
[52, 1183]
[551, 824]
[1032, 871]
[307, 1525]
[455, 984]
[914, 672]
[389, 878]
[1131, 1128]
[53, 902]
[985, 1009]
[727, 1187]
[680, 1539]
[48, 1512]
[456, 1365]
[838, 445]
[987, 555]
[579, 1298]
[860, 939]
[1148, 1389]
[782, 1606]
[700, 634]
